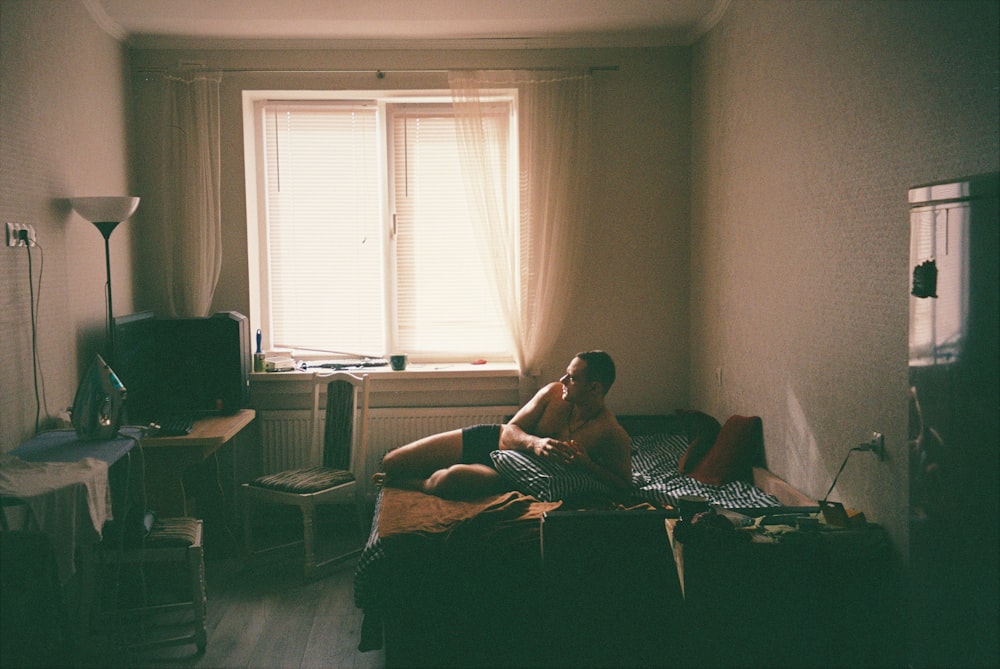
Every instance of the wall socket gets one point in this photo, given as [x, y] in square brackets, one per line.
[18, 232]
[877, 445]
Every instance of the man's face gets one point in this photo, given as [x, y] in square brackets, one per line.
[574, 381]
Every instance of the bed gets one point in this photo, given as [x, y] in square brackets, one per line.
[556, 572]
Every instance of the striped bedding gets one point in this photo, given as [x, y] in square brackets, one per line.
[656, 479]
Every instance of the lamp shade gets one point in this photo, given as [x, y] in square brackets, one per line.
[105, 209]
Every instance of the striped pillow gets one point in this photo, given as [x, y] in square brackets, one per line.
[545, 480]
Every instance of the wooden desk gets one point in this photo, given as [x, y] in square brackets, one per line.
[166, 459]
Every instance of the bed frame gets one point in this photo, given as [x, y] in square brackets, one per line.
[578, 588]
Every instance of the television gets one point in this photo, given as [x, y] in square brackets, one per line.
[182, 366]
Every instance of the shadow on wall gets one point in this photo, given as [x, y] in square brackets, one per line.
[804, 462]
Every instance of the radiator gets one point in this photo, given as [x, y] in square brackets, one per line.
[284, 440]
[285, 434]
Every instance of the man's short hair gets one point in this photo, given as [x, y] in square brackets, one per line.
[600, 368]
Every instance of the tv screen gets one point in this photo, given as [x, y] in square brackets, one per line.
[187, 366]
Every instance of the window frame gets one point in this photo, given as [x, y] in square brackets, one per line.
[256, 203]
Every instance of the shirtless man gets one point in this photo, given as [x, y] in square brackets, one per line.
[565, 421]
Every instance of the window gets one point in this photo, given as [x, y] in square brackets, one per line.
[939, 325]
[363, 237]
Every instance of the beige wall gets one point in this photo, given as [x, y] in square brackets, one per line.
[63, 132]
[810, 121]
[632, 293]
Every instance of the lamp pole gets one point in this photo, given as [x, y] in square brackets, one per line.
[106, 228]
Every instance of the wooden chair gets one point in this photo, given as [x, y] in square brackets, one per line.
[170, 541]
[333, 472]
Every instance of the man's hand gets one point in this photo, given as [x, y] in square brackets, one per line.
[554, 449]
[579, 457]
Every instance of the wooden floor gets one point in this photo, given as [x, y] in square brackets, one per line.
[264, 614]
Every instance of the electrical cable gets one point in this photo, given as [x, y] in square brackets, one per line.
[34, 301]
[842, 465]
[222, 496]
[34, 335]
[120, 544]
[143, 585]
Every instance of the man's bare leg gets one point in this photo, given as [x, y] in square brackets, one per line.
[410, 466]
[464, 482]
[434, 465]
[421, 458]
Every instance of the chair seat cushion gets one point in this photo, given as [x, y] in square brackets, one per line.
[306, 480]
[172, 532]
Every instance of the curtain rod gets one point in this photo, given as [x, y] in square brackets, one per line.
[377, 72]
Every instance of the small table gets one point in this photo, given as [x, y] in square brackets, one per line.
[171, 460]
[166, 458]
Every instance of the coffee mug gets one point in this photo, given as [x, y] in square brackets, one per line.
[398, 362]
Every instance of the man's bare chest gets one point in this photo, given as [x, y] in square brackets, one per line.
[563, 424]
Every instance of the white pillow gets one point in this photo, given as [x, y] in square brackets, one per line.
[544, 479]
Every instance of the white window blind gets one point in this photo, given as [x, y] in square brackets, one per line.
[367, 236]
[323, 227]
[444, 302]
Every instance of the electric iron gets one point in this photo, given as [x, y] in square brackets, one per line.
[100, 400]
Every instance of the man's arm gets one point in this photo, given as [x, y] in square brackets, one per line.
[519, 434]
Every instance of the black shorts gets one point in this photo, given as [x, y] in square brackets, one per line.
[478, 441]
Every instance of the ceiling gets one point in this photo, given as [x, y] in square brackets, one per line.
[386, 23]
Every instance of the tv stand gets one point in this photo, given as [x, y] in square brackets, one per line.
[167, 458]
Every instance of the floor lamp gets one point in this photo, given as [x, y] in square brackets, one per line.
[106, 213]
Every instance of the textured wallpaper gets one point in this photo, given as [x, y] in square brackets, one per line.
[810, 122]
[62, 134]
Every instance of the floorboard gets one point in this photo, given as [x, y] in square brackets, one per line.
[265, 614]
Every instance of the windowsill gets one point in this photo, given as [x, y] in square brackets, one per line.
[413, 371]
[419, 385]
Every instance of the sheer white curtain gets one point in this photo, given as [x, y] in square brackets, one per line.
[536, 283]
[190, 228]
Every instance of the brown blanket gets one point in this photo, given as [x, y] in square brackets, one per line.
[413, 512]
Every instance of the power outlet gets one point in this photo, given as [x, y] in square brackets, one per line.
[20, 234]
[877, 445]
